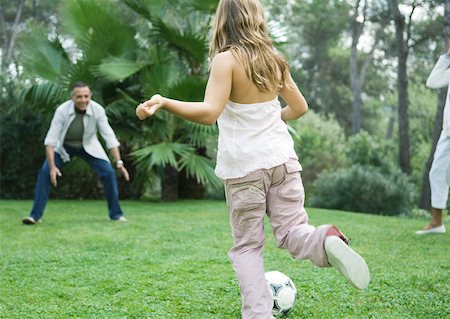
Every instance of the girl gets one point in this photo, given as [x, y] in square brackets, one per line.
[256, 157]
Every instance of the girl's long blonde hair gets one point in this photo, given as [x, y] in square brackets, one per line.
[240, 27]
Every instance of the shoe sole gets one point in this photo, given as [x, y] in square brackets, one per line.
[351, 265]
[435, 230]
[27, 221]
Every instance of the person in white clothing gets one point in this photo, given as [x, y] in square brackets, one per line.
[73, 132]
[440, 169]
[256, 157]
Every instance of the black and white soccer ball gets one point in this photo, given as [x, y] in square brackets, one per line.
[283, 292]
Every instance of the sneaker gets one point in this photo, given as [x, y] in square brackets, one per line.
[434, 230]
[120, 219]
[30, 221]
[351, 265]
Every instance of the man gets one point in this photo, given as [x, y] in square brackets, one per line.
[440, 169]
[73, 132]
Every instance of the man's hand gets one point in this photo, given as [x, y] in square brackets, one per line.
[122, 170]
[149, 108]
[54, 172]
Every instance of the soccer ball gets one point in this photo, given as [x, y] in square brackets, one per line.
[282, 290]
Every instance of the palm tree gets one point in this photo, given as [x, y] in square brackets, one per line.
[178, 70]
[126, 63]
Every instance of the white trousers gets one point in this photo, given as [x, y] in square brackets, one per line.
[440, 173]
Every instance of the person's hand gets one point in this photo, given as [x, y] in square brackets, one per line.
[149, 107]
[122, 169]
[448, 52]
[54, 172]
[124, 172]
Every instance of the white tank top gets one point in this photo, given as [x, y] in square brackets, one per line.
[252, 137]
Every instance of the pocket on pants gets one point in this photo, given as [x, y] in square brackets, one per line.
[246, 193]
[247, 204]
[292, 188]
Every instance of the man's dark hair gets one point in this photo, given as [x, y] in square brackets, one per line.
[79, 84]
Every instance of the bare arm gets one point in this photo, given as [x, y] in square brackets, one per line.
[296, 103]
[216, 95]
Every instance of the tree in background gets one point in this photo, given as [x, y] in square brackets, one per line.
[359, 65]
[13, 18]
[125, 63]
[18, 171]
[166, 49]
[180, 151]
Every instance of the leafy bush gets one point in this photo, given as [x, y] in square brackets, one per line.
[22, 153]
[364, 149]
[372, 185]
[365, 188]
[320, 145]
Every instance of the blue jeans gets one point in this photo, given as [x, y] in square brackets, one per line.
[103, 169]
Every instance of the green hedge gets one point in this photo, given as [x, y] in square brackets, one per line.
[22, 153]
[365, 188]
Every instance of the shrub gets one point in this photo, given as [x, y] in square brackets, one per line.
[365, 188]
[320, 145]
[22, 153]
[364, 149]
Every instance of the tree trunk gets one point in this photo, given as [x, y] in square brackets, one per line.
[356, 88]
[402, 88]
[356, 29]
[4, 39]
[15, 30]
[189, 188]
[169, 184]
[425, 195]
[390, 127]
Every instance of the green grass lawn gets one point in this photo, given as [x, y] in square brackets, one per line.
[170, 261]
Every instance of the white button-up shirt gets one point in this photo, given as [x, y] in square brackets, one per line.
[439, 78]
[94, 121]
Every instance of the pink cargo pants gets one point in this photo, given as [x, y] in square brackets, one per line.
[277, 192]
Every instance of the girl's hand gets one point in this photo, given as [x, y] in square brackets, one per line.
[149, 107]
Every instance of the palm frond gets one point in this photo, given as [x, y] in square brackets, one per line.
[201, 168]
[127, 97]
[160, 155]
[122, 116]
[188, 89]
[198, 134]
[115, 69]
[148, 8]
[98, 28]
[80, 71]
[141, 7]
[190, 44]
[157, 78]
[45, 96]
[208, 6]
[43, 57]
